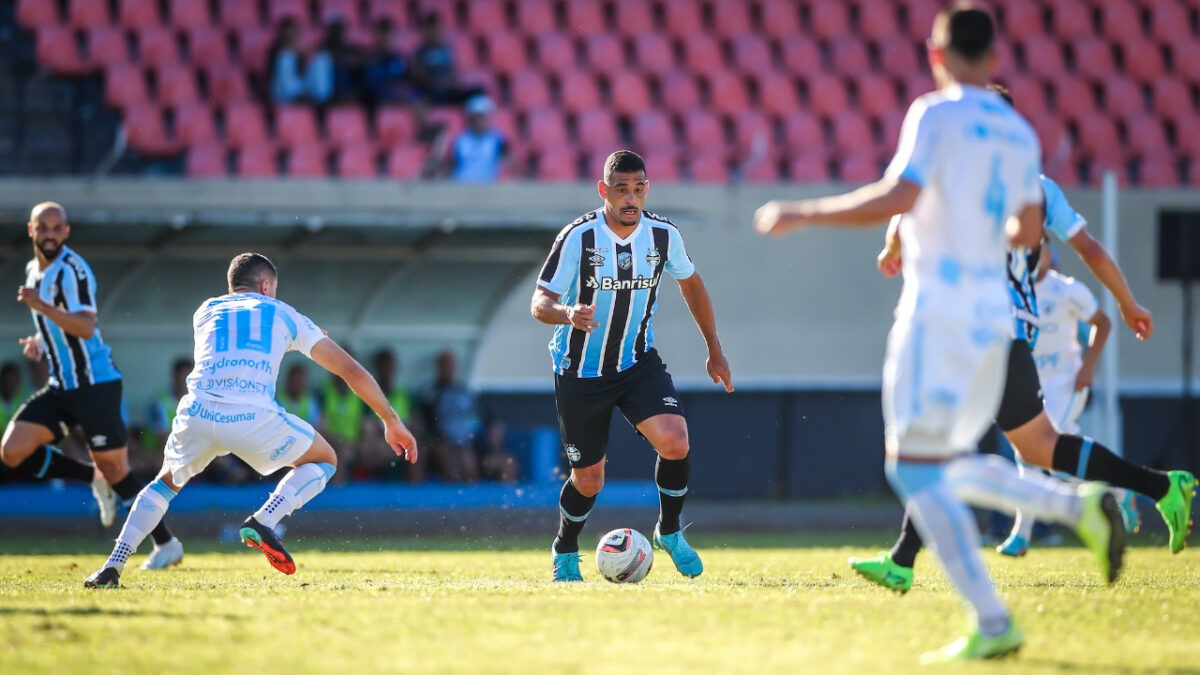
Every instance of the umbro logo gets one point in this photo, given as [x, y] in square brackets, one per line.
[671, 401]
[99, 440]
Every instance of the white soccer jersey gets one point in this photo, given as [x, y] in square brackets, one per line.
[1062, 303]
[978, 162]
[240, 340]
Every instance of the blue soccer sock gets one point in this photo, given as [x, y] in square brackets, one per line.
[147, 511]
[299, 486]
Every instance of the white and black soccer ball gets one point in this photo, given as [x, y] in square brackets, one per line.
[624, 556]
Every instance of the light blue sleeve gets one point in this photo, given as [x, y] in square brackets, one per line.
[679, 265]
[78, 288]
[562, 265]
[304, 333]
[914, 157]
[1061, 218]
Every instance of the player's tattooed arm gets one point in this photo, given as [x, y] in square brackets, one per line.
[695, 294]
[547, 308]
[81, 324]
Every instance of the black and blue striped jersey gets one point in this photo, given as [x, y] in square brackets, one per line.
[590, 265]
[68, 284]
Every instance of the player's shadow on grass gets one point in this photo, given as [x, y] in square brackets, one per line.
[1074, 667]
[106, 611]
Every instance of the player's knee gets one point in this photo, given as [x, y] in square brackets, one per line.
[113, 465]
[588, 483]
[675, 447]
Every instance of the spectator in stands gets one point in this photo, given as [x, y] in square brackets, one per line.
[433, 70]
[377, 458]
[335, 69]
[479, 153]
[385, 74]
[288, 83]
[297, 398]
[162, 408]
[462, 446]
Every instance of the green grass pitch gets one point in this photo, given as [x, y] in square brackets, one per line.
[766, 604]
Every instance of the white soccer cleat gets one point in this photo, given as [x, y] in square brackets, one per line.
[162, 557]
[106, 499]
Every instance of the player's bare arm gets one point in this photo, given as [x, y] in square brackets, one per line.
[1101, 327]
[864, 207]
[547, 309]
[80, 324]
[330, 356]
[699, 303]
[1096, 257]
[890, 259]
[1025, 229]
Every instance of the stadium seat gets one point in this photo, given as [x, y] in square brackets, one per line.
[1193, 172]
[346, 125]
[57, 50]
[1119, 18]
[146, 131]
[106, 46]
[751, 53]
[1143, 59]
[712, 167]
[555, 52]
[679, 91]
[1006, 61]
[87, 13]
[239, 15]
[450, 120]
[245, 125]
[1057, 146]
[596, 131]
[915, 84]
[1169, 21]
[1071, 19]
[158, 45]
[849, 55]
[1029, 96]
[889, 128]
[702, 53]
[829, 19]
[1158, 172]
[918, 17]
[628, 92]
[809, 167]
[296, 126]
[257, 161]
[253, 44]
[529, 89]
[731, 18]
[653, 53]
[358, 161]
[777, 93]
[1171, 98]
[877, 20]
[859, 167]
[762, 170]
[176, 84]
[727, 91]
[652, 128]
[1093, 56]
[505, 51]
[875, 93]
[504, 120]
[1121, 95]
[558, 164]
[195, 125]
[34, 14]
[1073, 97]
[780, 18]
[682, 18]
[138, 13]
[703, 130]
[395, 126]
[753, 131]
[407, 162]
[802, 132]
[1145, 136]
[1042, 56]
[226, 83]
[347, 10]
[584, 18]
[800, 53]
[536, 16]
[1186, 57]
[603, 50]
[578, 90]
[1021, 17]
[278, 10]
[125, 85]
[396, 10]
[1096, 135]
[205, 161]
[898, 55]
[1187, 135]
[307, 161]
[186, 14]
[486, 16]
[826, 93]
[546, 128]
[208, 45]
[852, 132]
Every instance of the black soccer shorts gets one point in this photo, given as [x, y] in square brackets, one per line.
[1022, 400]
[95, 407]
[585, 405]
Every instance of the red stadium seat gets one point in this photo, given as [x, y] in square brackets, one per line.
[876, 94]
[578, 90]
[87, 13]
[347, 10]
[1071, 18]
[1193, 172]
[245, 124]
[34, 14]
[1187, 135]
[802, 132]
[727, 91]
[852, 131]
[1145, 136]
[1186, 57]
[107, 46]
[158, 45]
[826, 94]
[188, 13]
[731, 18]
[1159, 172]
[1144, 60]
[57, 50]
[889, 128]
[239, 14]
[360, 160]
[486, 16]
[849, 55]
[1169, 21]
[546, 128]
[1121, 95]
[703, 130]
[529, 89]
[777, 93]
[307, 161]
[1073, 97]
[702, 53]
[176, 84]
[680, 91]
[584, 18]
[205, 161]
[780, 18]
[407, 162]
[395, 126]
[877, 20]
[1057, 146]
[1096, 135]
[1093, 56]
[195, 125]
[450, 120]
[603, 50]
[346, 125]
[652, 128]
[898, 55]
[208, 45]
[257, 161]
[1006, 61]
[1119, 18]
[915, 84]
[505, 51]
[654, 53]
[504, 120]
[829, 18]
[226, 84]
[711, 167]
[596, 131]
[138, 13]
[682, 17]
[536, 16]
[859, 167]
[753, 132]
[628, 92]
[555, 51]
[800, 53]
[764, 169]
[125, 85]
[752, 53]
[809, 167]
[1171, 98]
[1021, 17]
[558, 164]
[253, 44]
[296, 126]
[278, 10]
[396, 10]
[1043, 56]
[146, 131]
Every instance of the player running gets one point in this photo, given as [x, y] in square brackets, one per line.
[966, 171]
[599, 287]
[84, 387]
[230, 407]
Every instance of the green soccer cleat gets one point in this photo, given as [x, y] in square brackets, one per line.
[881, 570]
[1176, 508]
[977, 646]
[1101, 529]
[686, 560]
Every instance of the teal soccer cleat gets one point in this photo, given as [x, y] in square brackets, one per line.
[566, 566]
[1015, 546]
[682, 554]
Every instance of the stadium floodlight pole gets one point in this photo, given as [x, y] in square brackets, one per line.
[1112, 405]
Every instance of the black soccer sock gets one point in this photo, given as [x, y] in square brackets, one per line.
[1084, 458]
[127, 489]
[904, 553]
[671, 476]
[49, 462]
[573, 510]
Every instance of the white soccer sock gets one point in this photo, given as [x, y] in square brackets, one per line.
[949, 530]
[148, 510]
[295, 490]
[991, 482]
[1022, 524]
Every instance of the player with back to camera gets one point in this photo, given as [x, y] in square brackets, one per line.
[599, 288]
[84, 388]
[966, 171]
[230, 407]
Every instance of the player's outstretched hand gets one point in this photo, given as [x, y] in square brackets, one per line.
[32, 347]
[28, 296]
[401, 439]
[889, 262]
[1140, 321]
[776, 218]
[583, 317]
[718, 370]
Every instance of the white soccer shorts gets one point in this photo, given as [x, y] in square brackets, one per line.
[1064, 405]
[266, 439]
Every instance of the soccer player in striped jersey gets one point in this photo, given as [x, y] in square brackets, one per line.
[599, 288]
[84, 387]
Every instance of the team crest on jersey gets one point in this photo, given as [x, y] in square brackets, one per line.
[624, 260]
[653, 258]
[591, 283]
[573, 453]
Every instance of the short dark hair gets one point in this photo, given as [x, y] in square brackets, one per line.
[247, 269]
[181, 363]
[965, 28]
[1003, 92]
[623, 161]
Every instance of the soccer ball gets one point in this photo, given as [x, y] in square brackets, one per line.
[624, 556]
